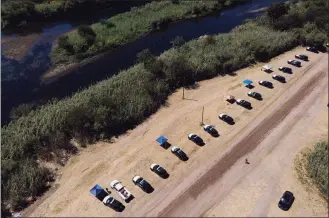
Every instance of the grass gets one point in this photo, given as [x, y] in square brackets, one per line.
[121, 102]
[129, 26]
[312, 168]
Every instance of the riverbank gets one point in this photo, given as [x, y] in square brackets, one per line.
[101, 111]
[127, 27]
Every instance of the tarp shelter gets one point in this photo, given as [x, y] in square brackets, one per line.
[267, 67]
[162, 140]
[98, 192]
[247, 82]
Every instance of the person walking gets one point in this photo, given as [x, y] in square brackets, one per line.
[246, 161]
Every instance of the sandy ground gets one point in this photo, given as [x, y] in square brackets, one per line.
[214, 181]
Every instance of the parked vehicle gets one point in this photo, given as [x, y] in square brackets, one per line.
[255, 95]
[243, 103]
[226, 118]
[279, 78]
[196, 139]
[301, 57]
[143, 184]
[160, 171]
[211, 130]
[113, 203]
[266, 84]
[295, 63]
[121, 190]
[285, 69]
[312, 49]
[286, 200]
[179, 153]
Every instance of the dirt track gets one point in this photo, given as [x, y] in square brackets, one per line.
[197, 187]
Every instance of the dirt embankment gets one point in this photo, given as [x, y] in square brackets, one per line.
[219, 166]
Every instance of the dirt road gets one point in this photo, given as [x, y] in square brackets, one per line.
[208, 183]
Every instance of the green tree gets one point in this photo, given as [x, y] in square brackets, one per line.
[276, 10]
[177, 41]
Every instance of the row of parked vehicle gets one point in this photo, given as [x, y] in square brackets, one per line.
[161, 172]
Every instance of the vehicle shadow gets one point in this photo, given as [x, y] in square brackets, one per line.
[132, 197]
[290, 72]
[250, 86]
[121, 209]
[149, 190]
[201, 144]
[165, 176]
[215, 135]
[165, 145]
[268, 71]
[248, 108]
[231, 123]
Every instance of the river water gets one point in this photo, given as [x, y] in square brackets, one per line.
[21, 78]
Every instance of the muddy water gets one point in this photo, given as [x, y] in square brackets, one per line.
[21, 78]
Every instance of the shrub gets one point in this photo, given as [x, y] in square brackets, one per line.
[63, 43]
[21, 110]
[276, 10]
[317, 167]
[177, 41]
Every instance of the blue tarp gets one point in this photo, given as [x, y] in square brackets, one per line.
[162, 140]
[96, 190]
[247, 82]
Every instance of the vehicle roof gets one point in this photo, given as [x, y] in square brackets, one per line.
[136, 178]
[153, 165]
[112, 184]
[119, 186]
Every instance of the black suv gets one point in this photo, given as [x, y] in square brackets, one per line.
[312, 49]
[279, 78]
[255, 95]
[286, 201]
[266, 83]
[302, 57]
[295, 63]
[243, 103]
[179, 153]
[160, 171]
[226, 118]
[143, 184]
[285, 69]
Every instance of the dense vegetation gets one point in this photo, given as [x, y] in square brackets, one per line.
[126, 27]
[19, 12]
[317, 167]
[101, 111]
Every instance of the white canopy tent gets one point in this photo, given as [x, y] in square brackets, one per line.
[267, 67]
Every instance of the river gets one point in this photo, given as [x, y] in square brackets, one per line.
[21, 78]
